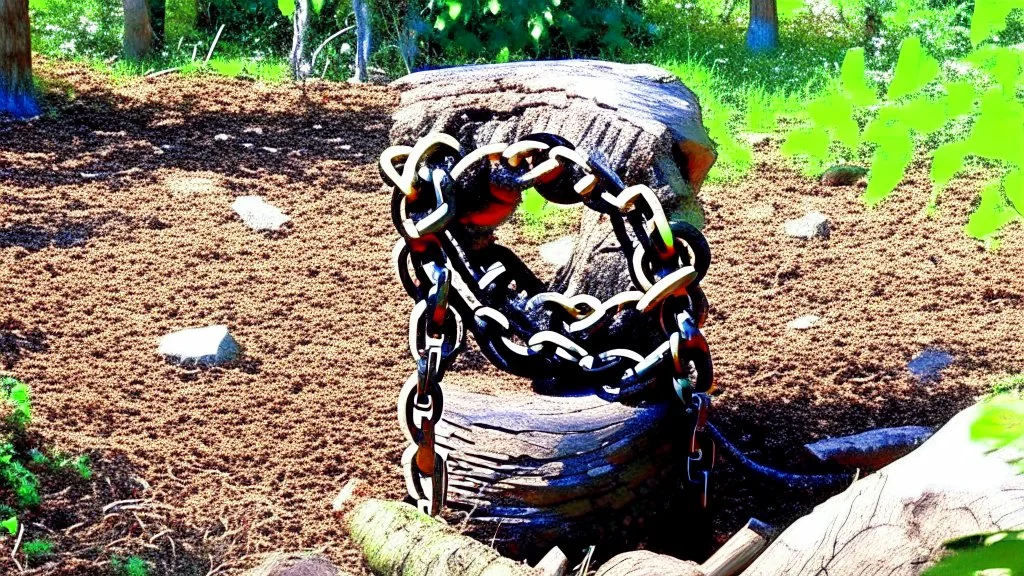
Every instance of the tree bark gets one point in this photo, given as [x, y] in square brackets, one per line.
[763, 31]
[157, 15]
[363, 38]
[895, 521]
[138, 30]
[299, 57]
[16, 90]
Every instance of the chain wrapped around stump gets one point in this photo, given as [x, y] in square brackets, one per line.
[446, 204]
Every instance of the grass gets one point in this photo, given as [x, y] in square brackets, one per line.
[1013, 384]
[36, 550]
[130, 566]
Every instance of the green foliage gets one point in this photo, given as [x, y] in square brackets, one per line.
[37, 549]
[130, 566]
[1000, 424]
[15, 396]
[11, 525]
[915, 108]
[1009, 385]
[541, 220]
[513, 29]
[77, 28]
[1002, 553]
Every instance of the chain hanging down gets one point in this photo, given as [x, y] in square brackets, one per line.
[445, 205]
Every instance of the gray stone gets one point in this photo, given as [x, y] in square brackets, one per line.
[207, 346]
[258, 214]
[804, 322]
[813, 225]
[928, 365]
[221, 137]
[870, 450]
[557, 252]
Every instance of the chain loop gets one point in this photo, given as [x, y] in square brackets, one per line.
[446, 202]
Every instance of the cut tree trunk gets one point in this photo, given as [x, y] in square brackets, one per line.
[763, 31]
[895, 521]
[16, 92]
[640, 118]
[138, 31]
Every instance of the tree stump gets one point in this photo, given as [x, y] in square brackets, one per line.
[567, 470]
[640, 118]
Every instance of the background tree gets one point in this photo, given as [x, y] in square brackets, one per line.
[157, 15]
[763, 31]
[298, 59]
[138, 31]
[16, 96]
[363, 38]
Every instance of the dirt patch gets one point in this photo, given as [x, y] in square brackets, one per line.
[138, 175]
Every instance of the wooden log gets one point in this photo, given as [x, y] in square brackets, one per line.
[640, 118]
[398, 540]
[871, 450]
[543, 470]
[895, 521]
[735, 555]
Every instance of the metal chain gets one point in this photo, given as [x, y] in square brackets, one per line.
[445, 205]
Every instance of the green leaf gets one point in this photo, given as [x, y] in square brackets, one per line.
[503, 55]
[287, 7]
[811, 142]
[494, 6]
[990, 18]
[991, 215]
[853, 76]
[924, 114]
[914, 69]
[998, 132]
[1004, 556]
[454, 9]
[11, 524]
[1000, 422]
[536, 28]
[959, 98]
[947, 160]
[1013, 186]
[318, 5]
[440, 24]
[892, 156]
[38, 5]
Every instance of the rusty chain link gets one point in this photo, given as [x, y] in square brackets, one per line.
[445, 205]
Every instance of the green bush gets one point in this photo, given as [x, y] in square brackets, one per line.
[130, 566]
[37, 549]
[89, 29]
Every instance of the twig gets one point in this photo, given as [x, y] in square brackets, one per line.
[163, 72]
[119, 503]
[214, 45]
[195, 48]
[21, 532]
[316, 52]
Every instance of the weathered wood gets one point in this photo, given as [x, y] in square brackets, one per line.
[543, 467]
[644, 122]
[398, 540]
[871, 450]
[735, 555]
[895, 521]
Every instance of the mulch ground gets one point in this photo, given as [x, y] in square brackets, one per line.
[116, 228]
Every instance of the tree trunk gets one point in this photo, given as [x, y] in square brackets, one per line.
[299, 57]
[157, 15]
[895, 521]
[363, 38]
[640, 118]
[138, 31]
[16, 91]
[763, 32]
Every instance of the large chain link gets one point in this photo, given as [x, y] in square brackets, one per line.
[445, 205]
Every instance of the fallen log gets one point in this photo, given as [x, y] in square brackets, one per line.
[735, 555]
[398, 540]
[871, 450]
[895, 521]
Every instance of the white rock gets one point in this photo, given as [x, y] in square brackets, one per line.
[209, 346]
[221, 137]
[269, 149]
[804, 322]
[256, 130]
[258, 214]
[813, 225]
[557, 252]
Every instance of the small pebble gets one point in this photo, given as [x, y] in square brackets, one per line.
[813, 225]
[804, 322]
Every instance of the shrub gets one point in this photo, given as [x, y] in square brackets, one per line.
[37, 549]
[130, 566]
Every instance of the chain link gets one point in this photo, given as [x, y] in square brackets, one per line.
[445, 204]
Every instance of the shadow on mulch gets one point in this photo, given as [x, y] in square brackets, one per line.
[15, 339]
[95, 131]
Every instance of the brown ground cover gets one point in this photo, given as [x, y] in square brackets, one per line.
[116, 228]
